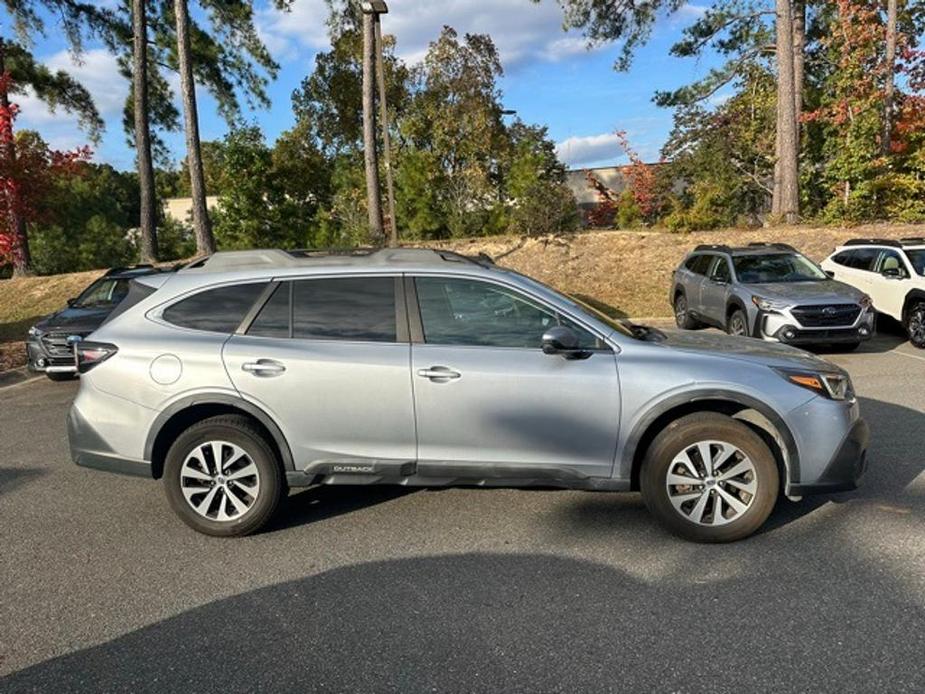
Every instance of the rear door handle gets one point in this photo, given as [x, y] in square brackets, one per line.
[439, 374]
[263, 367]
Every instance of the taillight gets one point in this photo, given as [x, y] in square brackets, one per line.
[90, 354]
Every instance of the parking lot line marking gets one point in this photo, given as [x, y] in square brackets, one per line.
[906, 354]
[21, 383]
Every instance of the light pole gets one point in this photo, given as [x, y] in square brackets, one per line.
[373, 9]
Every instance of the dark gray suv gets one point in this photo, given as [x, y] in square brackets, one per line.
[768, 291]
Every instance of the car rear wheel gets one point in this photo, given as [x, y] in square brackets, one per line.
[738, 323]
[709, 478]
[915, 325]
[222, 477]
[682, 315]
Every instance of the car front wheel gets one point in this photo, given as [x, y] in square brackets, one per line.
[222, 477]
[709, 478]
[915, 325]
[738, 323]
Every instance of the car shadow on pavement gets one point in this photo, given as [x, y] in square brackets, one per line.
[305, 506]
[513, 623]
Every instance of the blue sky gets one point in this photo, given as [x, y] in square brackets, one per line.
[550, 77]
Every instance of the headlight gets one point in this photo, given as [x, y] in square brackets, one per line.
[769, 304]
[828, 384]
[866, 302]
[35, 332]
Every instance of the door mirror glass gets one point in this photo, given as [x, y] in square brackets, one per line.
[563, 341]
[72, 301]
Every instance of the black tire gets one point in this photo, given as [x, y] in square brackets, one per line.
[737, 323]
[59, 377]
[682, 435]
[239, 431]
[915, 324]
[682, 315]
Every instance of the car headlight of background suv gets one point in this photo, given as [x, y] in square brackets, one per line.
[34, 333]
[769, 304]
[829, 384]
[865, 302]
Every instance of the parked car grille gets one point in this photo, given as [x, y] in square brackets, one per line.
[56, 344]
[825, 316]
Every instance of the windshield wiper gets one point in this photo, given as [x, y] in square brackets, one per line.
[645, 332]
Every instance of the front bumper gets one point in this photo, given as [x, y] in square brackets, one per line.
[845, 469]
[782, 326]
[41, 360]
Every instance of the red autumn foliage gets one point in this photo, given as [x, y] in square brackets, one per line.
[28, 170]
[643, 181]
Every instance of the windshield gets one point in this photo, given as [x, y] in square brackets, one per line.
[624, 327]
[776, 267]
[104, 292]
[917, 258]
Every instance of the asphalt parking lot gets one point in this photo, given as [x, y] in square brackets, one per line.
[102, 588]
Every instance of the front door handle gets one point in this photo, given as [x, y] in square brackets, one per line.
[263, 367]
[439, 374]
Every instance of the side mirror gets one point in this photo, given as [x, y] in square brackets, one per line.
[563, 341]
[71, 301]
[893, 273]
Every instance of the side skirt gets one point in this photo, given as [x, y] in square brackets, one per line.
[412, 474]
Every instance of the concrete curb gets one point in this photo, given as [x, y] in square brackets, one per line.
[14, 377]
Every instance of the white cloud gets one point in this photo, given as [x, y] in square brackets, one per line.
[95, 69]
[589, 149]
[690, 11]
[520, 29]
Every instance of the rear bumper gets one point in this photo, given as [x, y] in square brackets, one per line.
[88, 449]
[845, 468]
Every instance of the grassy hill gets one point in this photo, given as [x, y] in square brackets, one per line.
[625, 273]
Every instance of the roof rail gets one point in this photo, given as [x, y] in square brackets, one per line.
[721, 247]
[779, 246]
[126, 268]
[913, 241]
[325, 252]
[873, 242]
[482, 259]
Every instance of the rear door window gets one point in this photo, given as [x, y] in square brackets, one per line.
[861, 258]
[344, 308]
[218, 310]
[699, 264]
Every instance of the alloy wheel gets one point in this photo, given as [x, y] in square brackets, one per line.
[680, 311]
[219, 481]
[916, 325]
[711, 483]
[737, 325]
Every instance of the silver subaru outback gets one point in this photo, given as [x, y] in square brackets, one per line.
[251, 372]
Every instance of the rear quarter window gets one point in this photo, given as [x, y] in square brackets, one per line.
[218, 310]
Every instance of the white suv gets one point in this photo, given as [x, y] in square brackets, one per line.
[892, 273]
